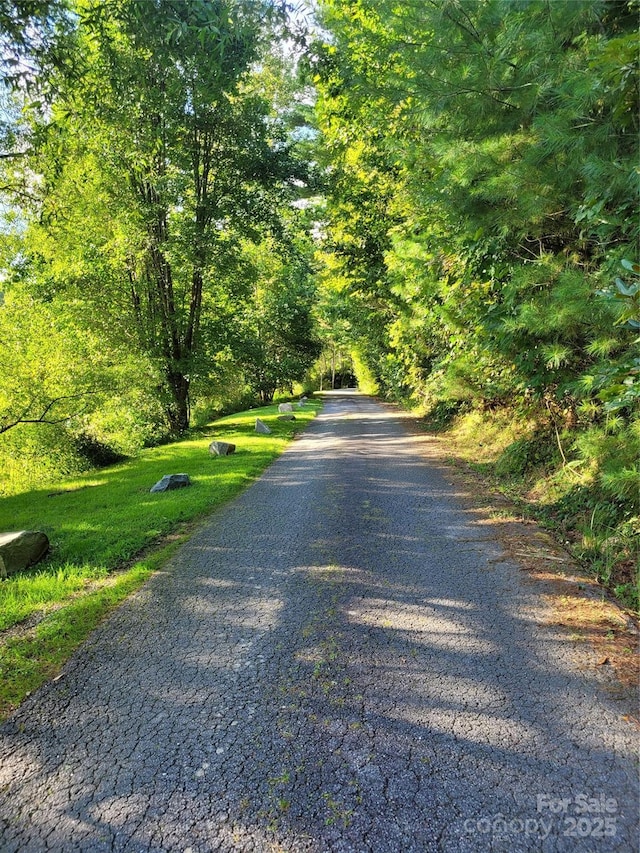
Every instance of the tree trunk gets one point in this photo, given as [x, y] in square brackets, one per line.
[333, 366]
[178, 409]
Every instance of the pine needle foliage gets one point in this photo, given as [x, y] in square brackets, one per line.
[505, 136]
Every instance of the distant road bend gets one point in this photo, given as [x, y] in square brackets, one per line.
[341, 659]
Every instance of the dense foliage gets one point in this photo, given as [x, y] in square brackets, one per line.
[481, 224]
[153, 261]
[444, 204]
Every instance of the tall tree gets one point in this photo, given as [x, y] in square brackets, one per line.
[508, 133]
[172, 153]
[274, 335]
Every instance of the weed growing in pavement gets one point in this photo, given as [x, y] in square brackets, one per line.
[337, 812]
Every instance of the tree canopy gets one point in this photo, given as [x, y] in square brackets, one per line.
[203, 198]
[483, 186]
[481, 229]
[151, 169]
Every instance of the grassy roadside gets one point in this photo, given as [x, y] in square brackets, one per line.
[510, 455]
[108, 534]
[517, 506]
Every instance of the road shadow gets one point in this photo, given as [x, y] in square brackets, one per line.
[343, 660]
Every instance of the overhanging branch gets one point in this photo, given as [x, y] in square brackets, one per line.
[42, 418]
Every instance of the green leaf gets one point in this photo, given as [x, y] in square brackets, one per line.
[631, 290]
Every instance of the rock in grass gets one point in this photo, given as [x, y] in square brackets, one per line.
[286, 417]
[285, 407]
[221, 448]
[262, 428]
[170, 482]
[20, 550]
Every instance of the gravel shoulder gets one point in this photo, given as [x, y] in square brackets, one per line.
[344, 658]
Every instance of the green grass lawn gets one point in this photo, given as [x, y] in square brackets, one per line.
[108, 533]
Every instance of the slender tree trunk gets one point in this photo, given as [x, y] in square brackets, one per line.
[333, 366]
[163, 336]
[178, 408]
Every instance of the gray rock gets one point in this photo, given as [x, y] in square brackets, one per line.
[285, 407]
[286, 417]
[20, 550]
[170, 482]
[221, 448]
[262, 428]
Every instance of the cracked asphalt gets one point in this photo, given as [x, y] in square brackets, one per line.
[341, 659]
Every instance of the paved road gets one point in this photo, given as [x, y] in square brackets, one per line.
[338, 661]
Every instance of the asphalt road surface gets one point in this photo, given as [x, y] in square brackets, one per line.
[340, 660]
